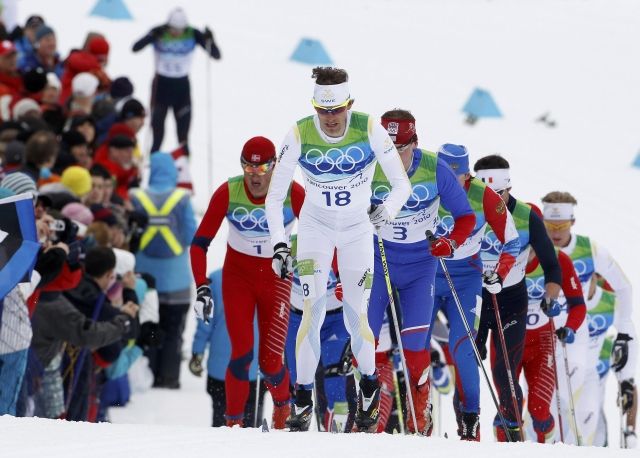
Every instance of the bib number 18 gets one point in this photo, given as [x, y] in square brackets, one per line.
[340, 198]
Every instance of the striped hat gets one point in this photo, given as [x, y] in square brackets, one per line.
[456, 156]
[19, 182]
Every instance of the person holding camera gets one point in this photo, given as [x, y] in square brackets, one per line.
[161, 253]
[173, 44]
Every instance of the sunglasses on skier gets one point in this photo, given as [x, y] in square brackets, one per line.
[257, 169]
[336, 109]
[557, 226]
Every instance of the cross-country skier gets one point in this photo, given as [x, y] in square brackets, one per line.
[411, 258]
[337, 150]
[540, 339]
[512, 299]
[248, 283]
[174, 43]
[589, 259]
[465, 269]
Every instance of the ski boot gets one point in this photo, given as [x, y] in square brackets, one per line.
[512, 433]
[368, 404]
[281, 412]
[420, 395]
[235, 420]
[545, 432]
[301, 412]
[470, 422]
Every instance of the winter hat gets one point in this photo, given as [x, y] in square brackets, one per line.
[6, 192]
[34, 21]
[34, 80]
[401, 131]
[132, 108]
[43, 31]
[125, 261]
[53, 80]
[104, 214]
[121, 141]
[258, 150]
[77, 180]
[177, 19]
[6, 47]
[121, 87]
[73, 138]
[24, 107]
[98, 46]
[19, 182]
[14, 153]
[84, 84]
[456, 156]
[78, 212]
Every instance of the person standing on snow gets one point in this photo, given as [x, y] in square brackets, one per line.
[590, 259]
[512, 299]
[337, 150]
[174, 43]
[248, 283]
[411, 257]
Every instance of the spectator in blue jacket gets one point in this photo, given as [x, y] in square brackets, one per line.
[214, 336]
[163, 254]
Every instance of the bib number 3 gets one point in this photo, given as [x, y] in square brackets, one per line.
[340, 198]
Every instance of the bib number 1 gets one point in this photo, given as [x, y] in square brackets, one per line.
[340, 198]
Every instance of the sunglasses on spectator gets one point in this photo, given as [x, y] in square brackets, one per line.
[557, 226]
[336, 109]
[257, 169]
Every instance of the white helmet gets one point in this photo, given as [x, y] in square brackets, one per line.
[177, 19]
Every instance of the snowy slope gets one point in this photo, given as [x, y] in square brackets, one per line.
[55, 439]
[574, 58]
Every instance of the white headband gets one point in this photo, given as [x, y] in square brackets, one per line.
[496, 179]
[330, 95]
[558, 211]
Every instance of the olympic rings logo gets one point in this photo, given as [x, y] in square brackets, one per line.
[491, 243]
[535, 287]
[444, 225]
[583, 268]
[419, 193]
[249, 220]
[602, 367]
[335, 158]
[597, 324]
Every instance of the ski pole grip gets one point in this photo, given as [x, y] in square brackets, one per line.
[430, 236]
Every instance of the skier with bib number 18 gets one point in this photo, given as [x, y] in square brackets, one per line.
[337, 150]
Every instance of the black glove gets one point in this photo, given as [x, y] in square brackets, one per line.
[436, 362]
[482, 349]
[566, 334]
[282, 262]
[204, 303]
[627, 395]
[492, 282]
[620, 352]
[195, 365]
[150, 335]
[76, 254]
[157, 32]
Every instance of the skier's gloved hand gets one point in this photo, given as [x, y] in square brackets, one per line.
[620, 352]
[157, 32]
[379, 215]
[492, 282]
[208, 34]
[550, 306]
[195, 364]
[566, 334]
[204, 303]
[282, 263]
[443, 247]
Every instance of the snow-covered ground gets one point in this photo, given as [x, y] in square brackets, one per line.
[573, 58]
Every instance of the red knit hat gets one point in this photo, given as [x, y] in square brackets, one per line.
[258, 150]
[98, 46]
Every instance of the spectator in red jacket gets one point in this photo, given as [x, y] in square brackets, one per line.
[11, 86]
[117, 157]
[92, 59]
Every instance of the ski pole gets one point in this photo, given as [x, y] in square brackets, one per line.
[209, 117]
[456, 299]
[571, 404]
[396, 386]
[257, 403]
[622, 435]
[507, 365]
[555, 376]
[396, 326]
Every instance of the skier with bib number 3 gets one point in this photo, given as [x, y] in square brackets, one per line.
[337, 150]
[248, 284]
